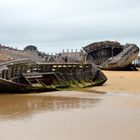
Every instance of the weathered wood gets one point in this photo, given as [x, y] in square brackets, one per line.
[111, 55]
[48, 75]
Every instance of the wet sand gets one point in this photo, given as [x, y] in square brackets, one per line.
[109, 112]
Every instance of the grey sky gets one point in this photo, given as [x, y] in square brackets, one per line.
[53, 25]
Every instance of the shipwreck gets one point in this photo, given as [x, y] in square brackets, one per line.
[24, 75]
[110, 55]
[107, 55]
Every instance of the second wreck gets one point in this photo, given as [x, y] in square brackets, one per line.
[111, 55]
[107, 55]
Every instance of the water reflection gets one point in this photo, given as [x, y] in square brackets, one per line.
[24, 106]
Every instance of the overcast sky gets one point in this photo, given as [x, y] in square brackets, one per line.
[53, 25]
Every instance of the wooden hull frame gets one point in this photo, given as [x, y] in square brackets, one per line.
[48, 76]
[109, 55]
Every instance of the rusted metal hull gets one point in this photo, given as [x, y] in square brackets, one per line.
[111, 55]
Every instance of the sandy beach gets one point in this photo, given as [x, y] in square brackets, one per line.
[121, 81]
[108, 112]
